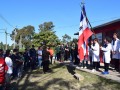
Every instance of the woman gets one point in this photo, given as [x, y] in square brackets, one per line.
[95, 56]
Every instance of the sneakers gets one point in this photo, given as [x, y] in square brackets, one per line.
[81, 67]
[93, 70]
[105, 72]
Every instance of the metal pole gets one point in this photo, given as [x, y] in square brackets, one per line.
[82, 3]
[14, 38]
[6, 38]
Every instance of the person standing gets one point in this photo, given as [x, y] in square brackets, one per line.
[3, 70]
[107, 54]
[67, 54]
[115, 51]
[45, 59]
[14, 58]
[51, 51]
[77, 60]
[95, 56]
[39, 52]
[90, 52]
[32, 57]
[72, 52]
[9, 63]
[26, 59]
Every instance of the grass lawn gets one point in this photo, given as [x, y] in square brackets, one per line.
[61, 78]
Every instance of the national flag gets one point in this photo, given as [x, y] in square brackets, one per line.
[84, 34]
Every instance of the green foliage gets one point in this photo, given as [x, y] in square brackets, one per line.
[66, 38]
[46, 26]
[46, 35]
[25, 34]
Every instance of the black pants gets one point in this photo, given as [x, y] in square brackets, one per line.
[33, 62]
[106, 67]
[91, 63]
[58, 56]
[96, 65]
[116, 63]
[51, 57]
[72, 56]
[84, 63]
[45, 66]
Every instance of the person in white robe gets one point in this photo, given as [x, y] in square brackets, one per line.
[106, 54]
[9, 63]
[95, 55]
[115, 51]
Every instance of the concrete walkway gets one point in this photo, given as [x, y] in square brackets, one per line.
[113, 75]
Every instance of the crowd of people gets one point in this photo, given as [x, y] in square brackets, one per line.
[13, 63]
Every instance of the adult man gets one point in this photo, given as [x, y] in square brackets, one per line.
[32, 57]
[26, 58]
[45, 59]
[115, 51]
[3, 70]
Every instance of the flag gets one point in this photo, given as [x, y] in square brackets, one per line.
[84, 34]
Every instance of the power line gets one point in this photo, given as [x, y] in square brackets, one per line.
[77, 25]
[6, 21]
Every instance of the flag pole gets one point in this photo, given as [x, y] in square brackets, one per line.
[82, 3]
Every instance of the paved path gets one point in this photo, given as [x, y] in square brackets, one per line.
[113, 75]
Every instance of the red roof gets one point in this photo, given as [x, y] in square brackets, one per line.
[113, 25]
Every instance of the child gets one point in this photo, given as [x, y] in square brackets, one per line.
[95, 55]
[107, 54]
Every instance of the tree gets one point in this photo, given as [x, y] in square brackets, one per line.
[46, 35]
[46, 26]
[24, 35]
[66, 38]
[1, 45]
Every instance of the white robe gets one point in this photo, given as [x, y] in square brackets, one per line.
[115, 48]
[96, 52]
[9, 64]
[107, 53]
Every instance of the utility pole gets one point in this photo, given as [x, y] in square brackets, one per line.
[20, 42]
[6, 38]
[14, 36]
[5, 31]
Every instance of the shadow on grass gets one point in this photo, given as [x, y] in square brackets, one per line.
[104, 84]
[37, 73]
[61, 84]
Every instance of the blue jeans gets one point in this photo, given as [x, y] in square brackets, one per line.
[39, 62]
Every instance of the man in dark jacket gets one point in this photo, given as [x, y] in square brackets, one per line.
[26, 58]
[45, 58]
[32, 57]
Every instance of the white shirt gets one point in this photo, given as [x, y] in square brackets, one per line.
[107, 53]
[95, 52]
[9, 64]
[39, 54]
[115, 48]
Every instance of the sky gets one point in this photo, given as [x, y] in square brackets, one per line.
[65, 14]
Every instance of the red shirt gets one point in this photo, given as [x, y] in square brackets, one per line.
[3, 68]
